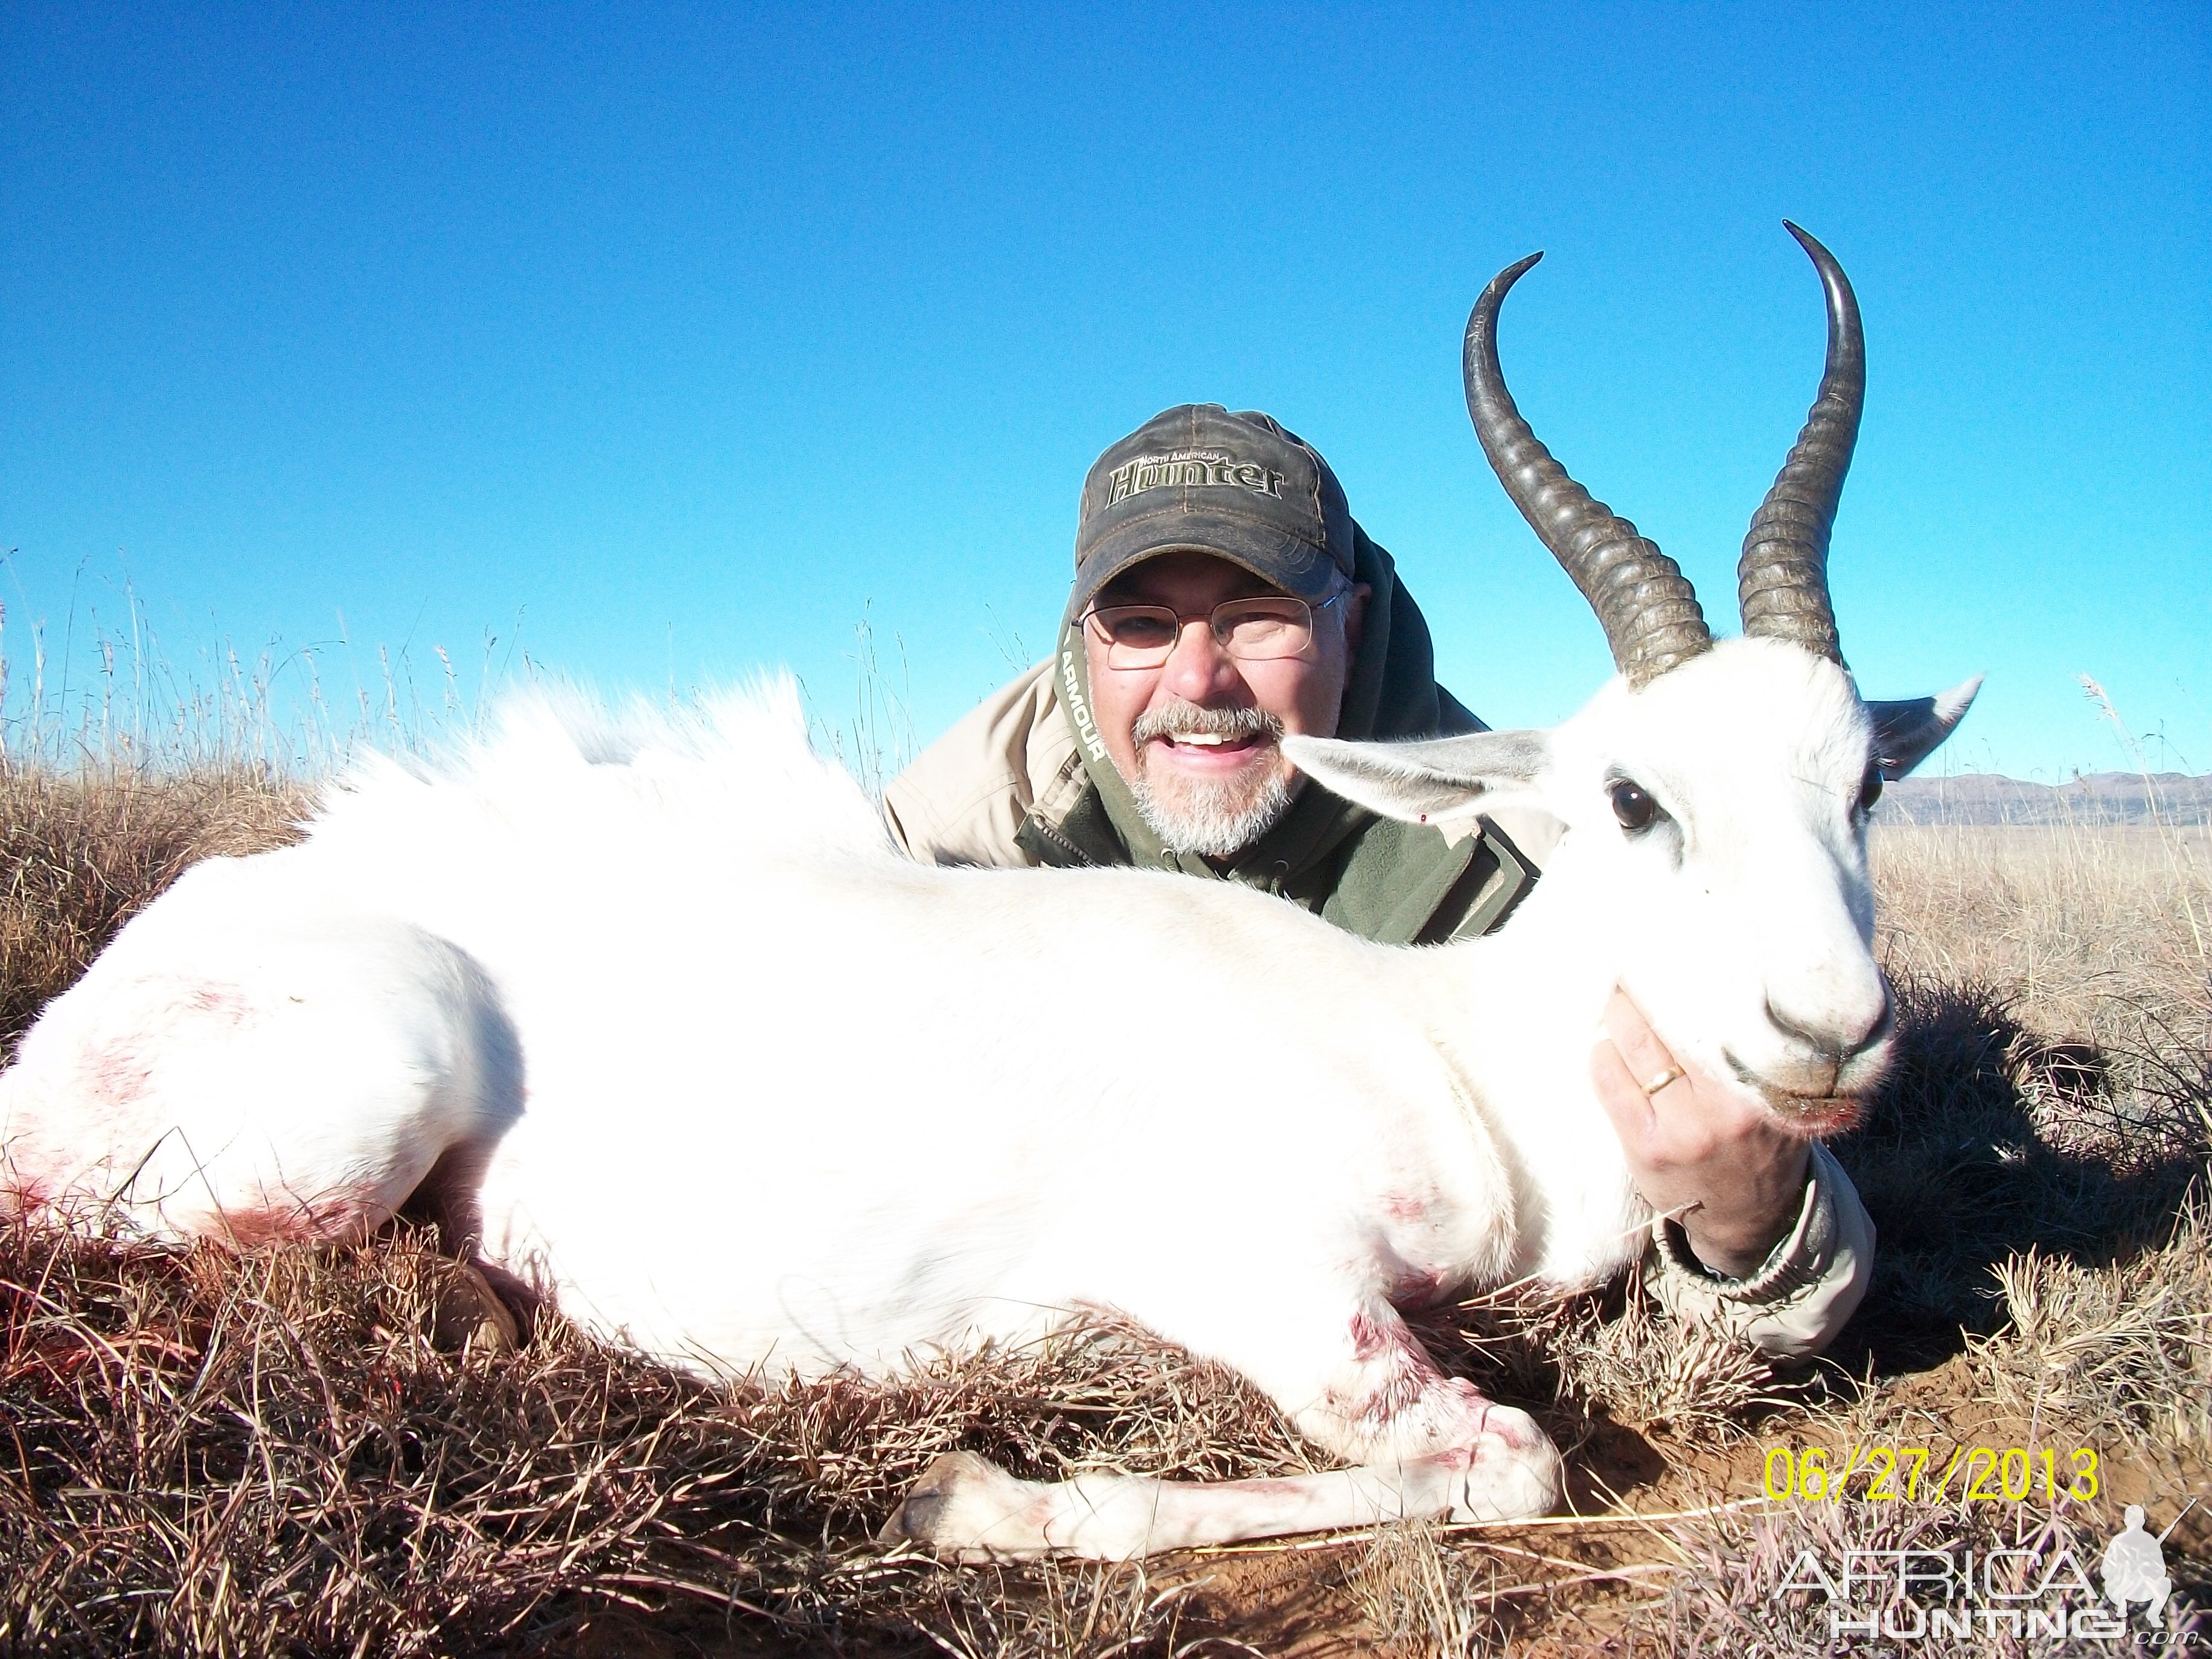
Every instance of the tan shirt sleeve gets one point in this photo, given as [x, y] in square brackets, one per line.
[1805, 1290]
[965, 796]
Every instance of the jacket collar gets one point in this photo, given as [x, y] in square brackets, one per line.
[1368, 874]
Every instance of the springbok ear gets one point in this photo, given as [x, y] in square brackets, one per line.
[1428, 778]
[1906, 733]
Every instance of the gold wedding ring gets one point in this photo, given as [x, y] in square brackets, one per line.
[1663, 1078]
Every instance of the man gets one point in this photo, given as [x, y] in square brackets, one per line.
[1224, 599]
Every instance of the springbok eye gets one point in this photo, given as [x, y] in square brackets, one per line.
[1869, 788]
[1634, 808]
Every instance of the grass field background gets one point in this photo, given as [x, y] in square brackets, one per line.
[300, 1451]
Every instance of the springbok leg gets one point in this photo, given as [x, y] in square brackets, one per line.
[1443, 1449]
[966, 1507]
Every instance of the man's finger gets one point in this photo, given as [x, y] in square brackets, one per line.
[1622, 1096]
[1647, 1058]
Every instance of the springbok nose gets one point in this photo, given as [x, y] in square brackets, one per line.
[1835, 1044]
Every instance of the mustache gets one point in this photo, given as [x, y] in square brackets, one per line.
[1182, 720]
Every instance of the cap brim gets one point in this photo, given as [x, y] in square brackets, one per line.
[1285, 561]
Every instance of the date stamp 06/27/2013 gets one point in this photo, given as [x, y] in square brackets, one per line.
[1917, 1474]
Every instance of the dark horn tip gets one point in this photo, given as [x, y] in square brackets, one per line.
[1831, 270]
[1494, 294]
[1806, 239]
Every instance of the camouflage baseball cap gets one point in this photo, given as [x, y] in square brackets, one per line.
[1199, 477]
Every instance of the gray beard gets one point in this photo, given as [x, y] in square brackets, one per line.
[1210, 821]
[1213, 820]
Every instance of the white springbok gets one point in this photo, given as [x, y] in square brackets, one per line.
[651, 1002]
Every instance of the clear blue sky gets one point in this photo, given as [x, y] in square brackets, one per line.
[691, 338]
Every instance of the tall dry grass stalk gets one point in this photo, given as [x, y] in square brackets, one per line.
[2188, 869]
[108, 696]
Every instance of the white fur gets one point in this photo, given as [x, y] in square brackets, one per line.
[753, 1091]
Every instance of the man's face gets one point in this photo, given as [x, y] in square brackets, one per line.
[1198, 739]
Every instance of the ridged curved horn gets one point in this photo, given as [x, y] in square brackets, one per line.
[1782, 581]
[1650, 612]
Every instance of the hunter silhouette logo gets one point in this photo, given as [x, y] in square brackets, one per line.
[2135, 1565]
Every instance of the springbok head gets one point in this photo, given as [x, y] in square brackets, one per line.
[1716, 794]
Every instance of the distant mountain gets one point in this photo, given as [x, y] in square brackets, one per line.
[2098, 798]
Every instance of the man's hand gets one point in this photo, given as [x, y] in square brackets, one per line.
[1698, 1149]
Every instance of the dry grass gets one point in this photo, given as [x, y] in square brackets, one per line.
[269, 1454]
[2130, 1350]
[2077, 923]
[209, 1453]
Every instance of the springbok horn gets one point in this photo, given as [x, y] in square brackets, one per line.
[1783, 580]
[1649, 609]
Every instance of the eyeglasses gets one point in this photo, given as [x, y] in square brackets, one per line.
[1248, 630]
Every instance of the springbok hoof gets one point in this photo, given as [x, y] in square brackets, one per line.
[1516, 1471]
[471, 1318]
[968, 1507]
